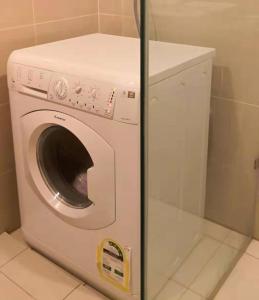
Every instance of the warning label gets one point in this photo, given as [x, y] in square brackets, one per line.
[113, 262]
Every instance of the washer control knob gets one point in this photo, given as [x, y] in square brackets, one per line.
[61, 88]
[78, 89]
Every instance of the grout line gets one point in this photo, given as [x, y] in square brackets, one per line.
[46, 22]
[235, 101]
[34, 23]
[116, 15]
[15, 27]
[66, 19]
[198, 274]
[16, 284]
[4, 104]
[98, 15]
[212, 257]
[73, 290]
[7, 172]
[220, 244]
[162, 288]
[189, 290]
[11, 259]
[251, 255]
[170, 278]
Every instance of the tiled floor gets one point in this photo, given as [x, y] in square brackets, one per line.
[26, 275]
[200, 272]
[188, 261]
[243, 282]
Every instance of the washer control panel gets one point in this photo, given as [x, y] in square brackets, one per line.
[95, 97]
[87, 95]
[83, 94]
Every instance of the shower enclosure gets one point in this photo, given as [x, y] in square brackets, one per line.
[195, 230]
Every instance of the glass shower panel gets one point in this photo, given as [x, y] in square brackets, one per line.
[197, 223]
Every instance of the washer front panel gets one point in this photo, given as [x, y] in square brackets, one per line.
[104, 99]
[100, 177]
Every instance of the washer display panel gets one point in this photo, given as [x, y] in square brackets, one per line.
[64, 162]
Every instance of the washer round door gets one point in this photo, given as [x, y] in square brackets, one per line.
[72, 168]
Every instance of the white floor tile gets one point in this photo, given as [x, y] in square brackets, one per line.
[189, 295]
[236, 240]
[243, 283]
[207, 280]
[155, 281]
[9, 248]
[40, 277]
[215, 231]
[172, 291]
[85, 293]
[253, 249]
[199, 257]
[10, 291]
[18, 236]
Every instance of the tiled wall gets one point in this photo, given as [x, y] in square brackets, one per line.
[25, 23]
[232, 27]
[116, 17]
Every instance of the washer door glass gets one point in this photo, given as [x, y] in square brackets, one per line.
[64, 161]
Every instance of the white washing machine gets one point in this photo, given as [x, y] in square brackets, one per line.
[76, 125]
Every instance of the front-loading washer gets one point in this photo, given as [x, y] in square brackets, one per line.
[75, 107]
[77, 147]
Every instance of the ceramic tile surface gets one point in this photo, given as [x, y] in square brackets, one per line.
[9, 248]
[253, 249]
[27, 275]
[211, 274]
[172, 291]
[11, 291]
[242, 282]
[40, 277]
[195, 253]
[195, 262]
[18, 236]
[236, 240]
[215, 231]
[84, 292]
[189, 295]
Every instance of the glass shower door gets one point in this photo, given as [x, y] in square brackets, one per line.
[192, 240]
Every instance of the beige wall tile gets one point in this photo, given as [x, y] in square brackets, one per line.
[53, 31]
[9, 208]
[6, 157]
[217, 78]
[46, 10]
[229, 26]
[15, 13]
[231, 182]
[111, 24]
[14, 39]
[129, 27]
[127, 7]
[232, 28]
[3, 89]
[112, 7]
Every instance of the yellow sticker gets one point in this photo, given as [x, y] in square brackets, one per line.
[113, 262]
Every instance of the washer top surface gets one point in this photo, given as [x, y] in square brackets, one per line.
[100, 55]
